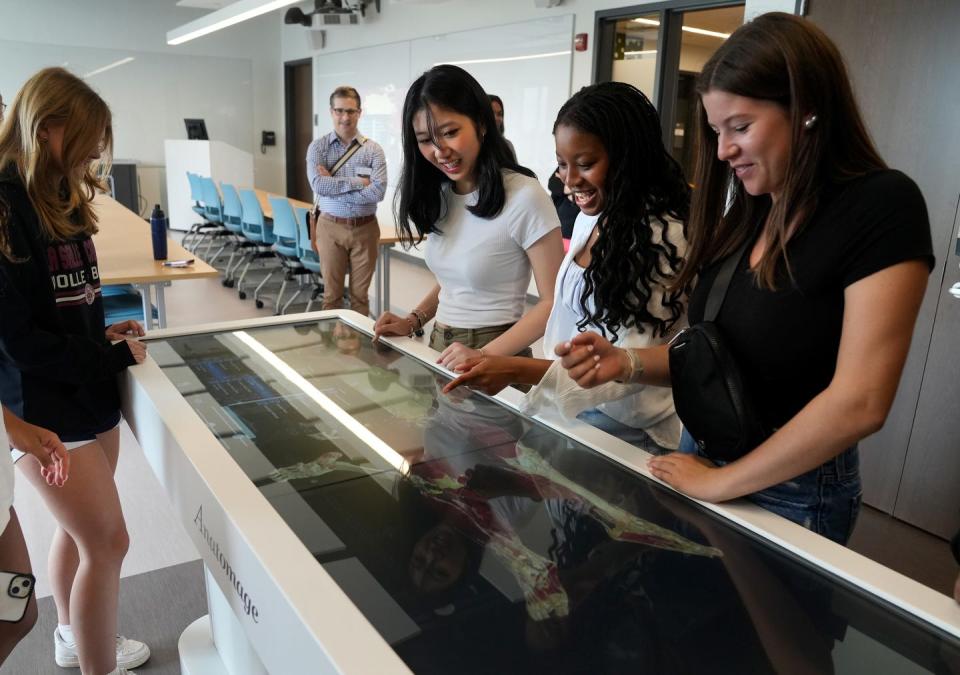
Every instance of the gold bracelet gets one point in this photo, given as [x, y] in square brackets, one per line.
[635, 370]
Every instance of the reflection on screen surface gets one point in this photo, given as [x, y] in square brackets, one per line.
[478, 541]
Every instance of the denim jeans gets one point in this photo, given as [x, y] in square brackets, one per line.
[825, 500]
[631, 435]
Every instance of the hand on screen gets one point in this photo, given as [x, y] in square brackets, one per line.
[124, 329]
[138, 349]
[391, 324]
[489, 374]
[692, 475]
[456, 354]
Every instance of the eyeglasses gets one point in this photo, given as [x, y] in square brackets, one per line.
[340, 112]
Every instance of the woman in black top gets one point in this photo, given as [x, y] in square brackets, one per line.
[58, 367]
[820, 312]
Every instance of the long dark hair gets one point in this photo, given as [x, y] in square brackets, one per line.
[644, 184]
[787, 60]
[419, 200]
[499, 101]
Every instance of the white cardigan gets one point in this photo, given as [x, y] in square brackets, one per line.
[640, 406]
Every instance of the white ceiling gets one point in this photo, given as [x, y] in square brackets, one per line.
[204, 4]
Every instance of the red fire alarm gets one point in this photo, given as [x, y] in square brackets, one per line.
[580, 42]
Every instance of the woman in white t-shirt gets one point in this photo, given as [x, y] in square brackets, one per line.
[490, 224]
[54, 467]
[627, 246]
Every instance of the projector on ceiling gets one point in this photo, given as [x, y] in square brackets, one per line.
[331, 13]
[326, 20]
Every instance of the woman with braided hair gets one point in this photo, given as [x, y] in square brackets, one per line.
[627, 247]
[827, 252]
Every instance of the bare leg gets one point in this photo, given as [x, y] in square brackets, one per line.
[63, 559]
[14, 558]
[87, 507]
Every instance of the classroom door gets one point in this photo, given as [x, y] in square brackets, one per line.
[661, 52]
[298, 95]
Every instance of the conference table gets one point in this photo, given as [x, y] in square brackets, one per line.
[353, 519]
[125, 256]
[388, 237]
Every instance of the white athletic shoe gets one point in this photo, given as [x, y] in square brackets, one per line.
[130, 653]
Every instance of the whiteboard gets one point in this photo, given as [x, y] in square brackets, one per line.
[528, 64]
[149, 93]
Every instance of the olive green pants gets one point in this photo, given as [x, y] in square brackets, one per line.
[474, 338]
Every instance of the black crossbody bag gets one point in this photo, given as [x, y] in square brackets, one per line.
[708, 390]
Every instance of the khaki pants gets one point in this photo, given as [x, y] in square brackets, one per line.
[340, 247]
[474, 338]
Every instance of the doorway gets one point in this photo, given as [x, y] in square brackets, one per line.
[298, 99]
[661, 49]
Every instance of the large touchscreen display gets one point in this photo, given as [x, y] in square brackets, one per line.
[476, 540]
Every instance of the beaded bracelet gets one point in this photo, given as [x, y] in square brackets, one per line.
[418, 331]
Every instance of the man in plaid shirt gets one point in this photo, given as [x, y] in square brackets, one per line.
[344, 231]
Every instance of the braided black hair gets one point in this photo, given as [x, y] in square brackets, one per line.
[643, 184]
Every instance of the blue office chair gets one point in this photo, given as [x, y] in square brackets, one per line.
[196, 193]
[259, 230]
[232, 220]
[192, 236]
[287, 247]
[121, 303]
[213, 209]
[308, 257]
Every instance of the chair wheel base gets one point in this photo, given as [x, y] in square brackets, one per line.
[229, 283]
[259, 304]
[243, 295]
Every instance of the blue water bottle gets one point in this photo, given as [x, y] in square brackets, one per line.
[158, 230]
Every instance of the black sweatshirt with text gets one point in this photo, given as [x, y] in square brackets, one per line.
[57, 368]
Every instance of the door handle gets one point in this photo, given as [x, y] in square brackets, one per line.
[955, 290]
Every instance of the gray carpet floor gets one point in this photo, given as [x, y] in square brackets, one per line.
[154, 607]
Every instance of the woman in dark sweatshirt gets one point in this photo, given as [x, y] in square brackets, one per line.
[58, 367]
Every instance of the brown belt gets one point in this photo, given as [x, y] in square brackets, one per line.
[353, 222]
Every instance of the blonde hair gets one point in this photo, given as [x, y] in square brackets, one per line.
[61, 193]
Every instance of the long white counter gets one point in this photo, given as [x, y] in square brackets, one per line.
[301, 461]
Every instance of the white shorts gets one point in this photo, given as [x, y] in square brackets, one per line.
[69, 445]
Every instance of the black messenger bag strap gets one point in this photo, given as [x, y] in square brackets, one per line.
[344, 158]
[718, 291]
[351, 151]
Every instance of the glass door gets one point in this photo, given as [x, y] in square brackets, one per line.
[661, 52]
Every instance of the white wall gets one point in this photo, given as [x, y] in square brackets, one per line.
[398, 22]
[233, 78]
